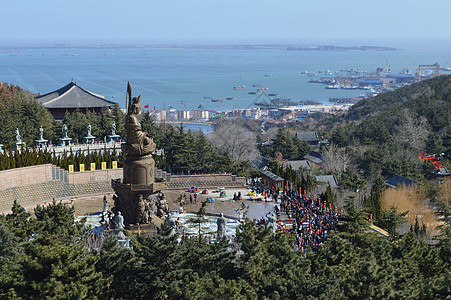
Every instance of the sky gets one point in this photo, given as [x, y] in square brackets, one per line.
[230, 21]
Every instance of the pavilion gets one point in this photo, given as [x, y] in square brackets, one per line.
[72, 97]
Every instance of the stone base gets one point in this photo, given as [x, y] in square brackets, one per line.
[139, 170]
[140, 207]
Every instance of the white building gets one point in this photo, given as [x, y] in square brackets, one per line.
[201, 114]
[159, 115]
[183, 115]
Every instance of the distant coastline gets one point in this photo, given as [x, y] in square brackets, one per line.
[205, 47]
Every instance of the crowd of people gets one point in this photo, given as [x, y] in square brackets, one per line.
[311, 218]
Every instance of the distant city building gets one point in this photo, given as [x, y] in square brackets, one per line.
[201, 114]
[70, 98]
[159, 115]
[183, 115]
[172, 114]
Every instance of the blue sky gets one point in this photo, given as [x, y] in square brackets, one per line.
[224, 20]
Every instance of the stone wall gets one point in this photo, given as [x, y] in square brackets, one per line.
[44, 182]
[94, 176]
[25, 176]
[205, 181]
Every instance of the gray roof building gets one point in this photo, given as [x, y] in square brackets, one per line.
[330, 179]
[300, 164]
[397, 180]
[271, 180]
[308, 136]
[72, 97]
[314, 157]
[312, 138]
[441, 171]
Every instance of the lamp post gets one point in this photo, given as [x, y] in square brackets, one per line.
[359, 203]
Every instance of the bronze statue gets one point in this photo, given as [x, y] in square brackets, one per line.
[138, 195]
[138, 141]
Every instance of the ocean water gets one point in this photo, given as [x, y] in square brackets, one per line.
[185, 78]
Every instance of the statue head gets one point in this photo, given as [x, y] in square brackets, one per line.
[136, 105]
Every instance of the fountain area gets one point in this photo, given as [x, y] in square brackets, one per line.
[91, 209]
[186, 226]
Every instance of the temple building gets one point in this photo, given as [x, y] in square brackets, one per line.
[72, 97]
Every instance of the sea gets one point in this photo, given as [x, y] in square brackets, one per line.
[188, 78]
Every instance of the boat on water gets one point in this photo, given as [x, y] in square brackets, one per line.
[217, 100]
[240, 87]
[349, 87]
[274, 95]
[333, 87]
[268, 75]
[230, 98]
[259, 91]
[257, 85]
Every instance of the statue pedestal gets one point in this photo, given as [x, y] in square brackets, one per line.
[113, 138]
[138, 197]
[65, 141]
[89, 139]
[41, 143]
[139, 169]
[20, 145]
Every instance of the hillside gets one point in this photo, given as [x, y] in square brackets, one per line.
[421, 110]
[430, 99]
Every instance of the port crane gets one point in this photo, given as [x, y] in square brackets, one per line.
[435, 66]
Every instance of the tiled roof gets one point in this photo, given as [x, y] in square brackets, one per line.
[73, 96]
[331, 179]
[315, 157]
[298, 164]
[308, 136]
[397, 180]
[272, 175]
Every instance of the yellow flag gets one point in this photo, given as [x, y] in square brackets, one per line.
[93, 166]
[103, 165]
[71, 168]
[114, 164]
[82, 167]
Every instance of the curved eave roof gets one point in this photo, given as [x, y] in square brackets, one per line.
[73, 96]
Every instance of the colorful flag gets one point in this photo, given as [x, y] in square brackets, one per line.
[114, 163]
[146, 106]
[71, 168]
[82, 167]
[93, 166]
[103, 165]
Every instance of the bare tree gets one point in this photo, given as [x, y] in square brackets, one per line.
[412, 130]
[336, 160]
[236, 140]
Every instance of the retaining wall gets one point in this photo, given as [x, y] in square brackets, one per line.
[44, 182]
